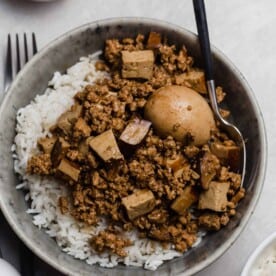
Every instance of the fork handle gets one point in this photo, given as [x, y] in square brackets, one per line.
[203, 35]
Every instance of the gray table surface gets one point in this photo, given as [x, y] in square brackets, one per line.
[244, 30]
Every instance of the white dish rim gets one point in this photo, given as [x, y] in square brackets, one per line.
[257, 252]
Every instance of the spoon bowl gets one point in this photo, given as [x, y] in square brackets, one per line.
[233, 132]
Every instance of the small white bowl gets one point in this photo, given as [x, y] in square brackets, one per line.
[7, 269]
[262, 262]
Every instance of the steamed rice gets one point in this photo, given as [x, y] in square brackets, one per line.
[33, 122]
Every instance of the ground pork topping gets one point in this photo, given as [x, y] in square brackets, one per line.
[115, 165]
[107, 240]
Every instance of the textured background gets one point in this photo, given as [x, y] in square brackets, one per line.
[243, 30]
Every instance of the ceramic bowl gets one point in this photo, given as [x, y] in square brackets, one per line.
[64, 52]
[262, 260]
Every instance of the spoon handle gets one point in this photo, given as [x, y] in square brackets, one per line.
[203, 35]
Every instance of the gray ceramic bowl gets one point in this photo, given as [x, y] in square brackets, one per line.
[64, 52]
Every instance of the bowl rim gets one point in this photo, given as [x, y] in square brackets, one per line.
[256, 253]
[263, 137]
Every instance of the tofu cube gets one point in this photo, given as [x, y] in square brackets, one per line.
[46, 144]
[82, 127]
[105, 146]
[215, 198]
[65, 121]
[135, 131]
[229, 154]
[84, 146]
[59, 150]
[209, 165]
[154, 40]
[184, 200]
[137, 64]
[194, 79]
[139, 203]
[177, 163]
[68, 169]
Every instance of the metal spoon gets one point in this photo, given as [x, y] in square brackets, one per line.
[203, 35]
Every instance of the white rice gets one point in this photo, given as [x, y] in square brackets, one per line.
[33, 122]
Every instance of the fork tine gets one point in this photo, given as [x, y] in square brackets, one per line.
[8, 74]
[9, 56]
[26, 48]
[9, 52]
[18, 60]
[14, 60]
[34, 44]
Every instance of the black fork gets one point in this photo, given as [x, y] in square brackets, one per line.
[19, 50]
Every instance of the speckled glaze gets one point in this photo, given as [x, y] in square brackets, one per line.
[64, 52]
